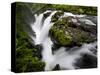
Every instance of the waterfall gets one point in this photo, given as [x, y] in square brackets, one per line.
[37, 27]
[42, 36]
[65, 58]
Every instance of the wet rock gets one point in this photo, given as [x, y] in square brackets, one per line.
[56, 16]
[46, 14]
[86, 25]
[55, 47]
[87, 61]
[94, 50]
[57, 67]
[92, 18]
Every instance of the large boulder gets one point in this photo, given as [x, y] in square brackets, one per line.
[65, 32]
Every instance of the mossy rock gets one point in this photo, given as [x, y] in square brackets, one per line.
[66, 34]
[56, 16]
[61, 37]
[80, 36]
[58, 32]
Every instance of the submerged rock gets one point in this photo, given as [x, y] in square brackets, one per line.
[87, 61]
[57, 67]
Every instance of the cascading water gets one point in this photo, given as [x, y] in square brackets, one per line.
[64, 58]
[42, 37]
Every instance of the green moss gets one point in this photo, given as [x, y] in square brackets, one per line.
[76, 9]
[29, 64]
[60, 36]
[35, 66]
[63, 23]
[58, 31]
[65, 40]
[67, 34]
[27, 58]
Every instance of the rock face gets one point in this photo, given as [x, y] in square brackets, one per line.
[72, 31]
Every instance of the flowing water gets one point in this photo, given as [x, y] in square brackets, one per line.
[65, 58]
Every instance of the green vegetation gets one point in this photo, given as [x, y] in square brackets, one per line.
[27, 59]
[61, 38]
[58, 32]
[76, 9]
[40, 7]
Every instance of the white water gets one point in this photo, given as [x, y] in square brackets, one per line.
[42, 37]
[65, 59]
[81, 18]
